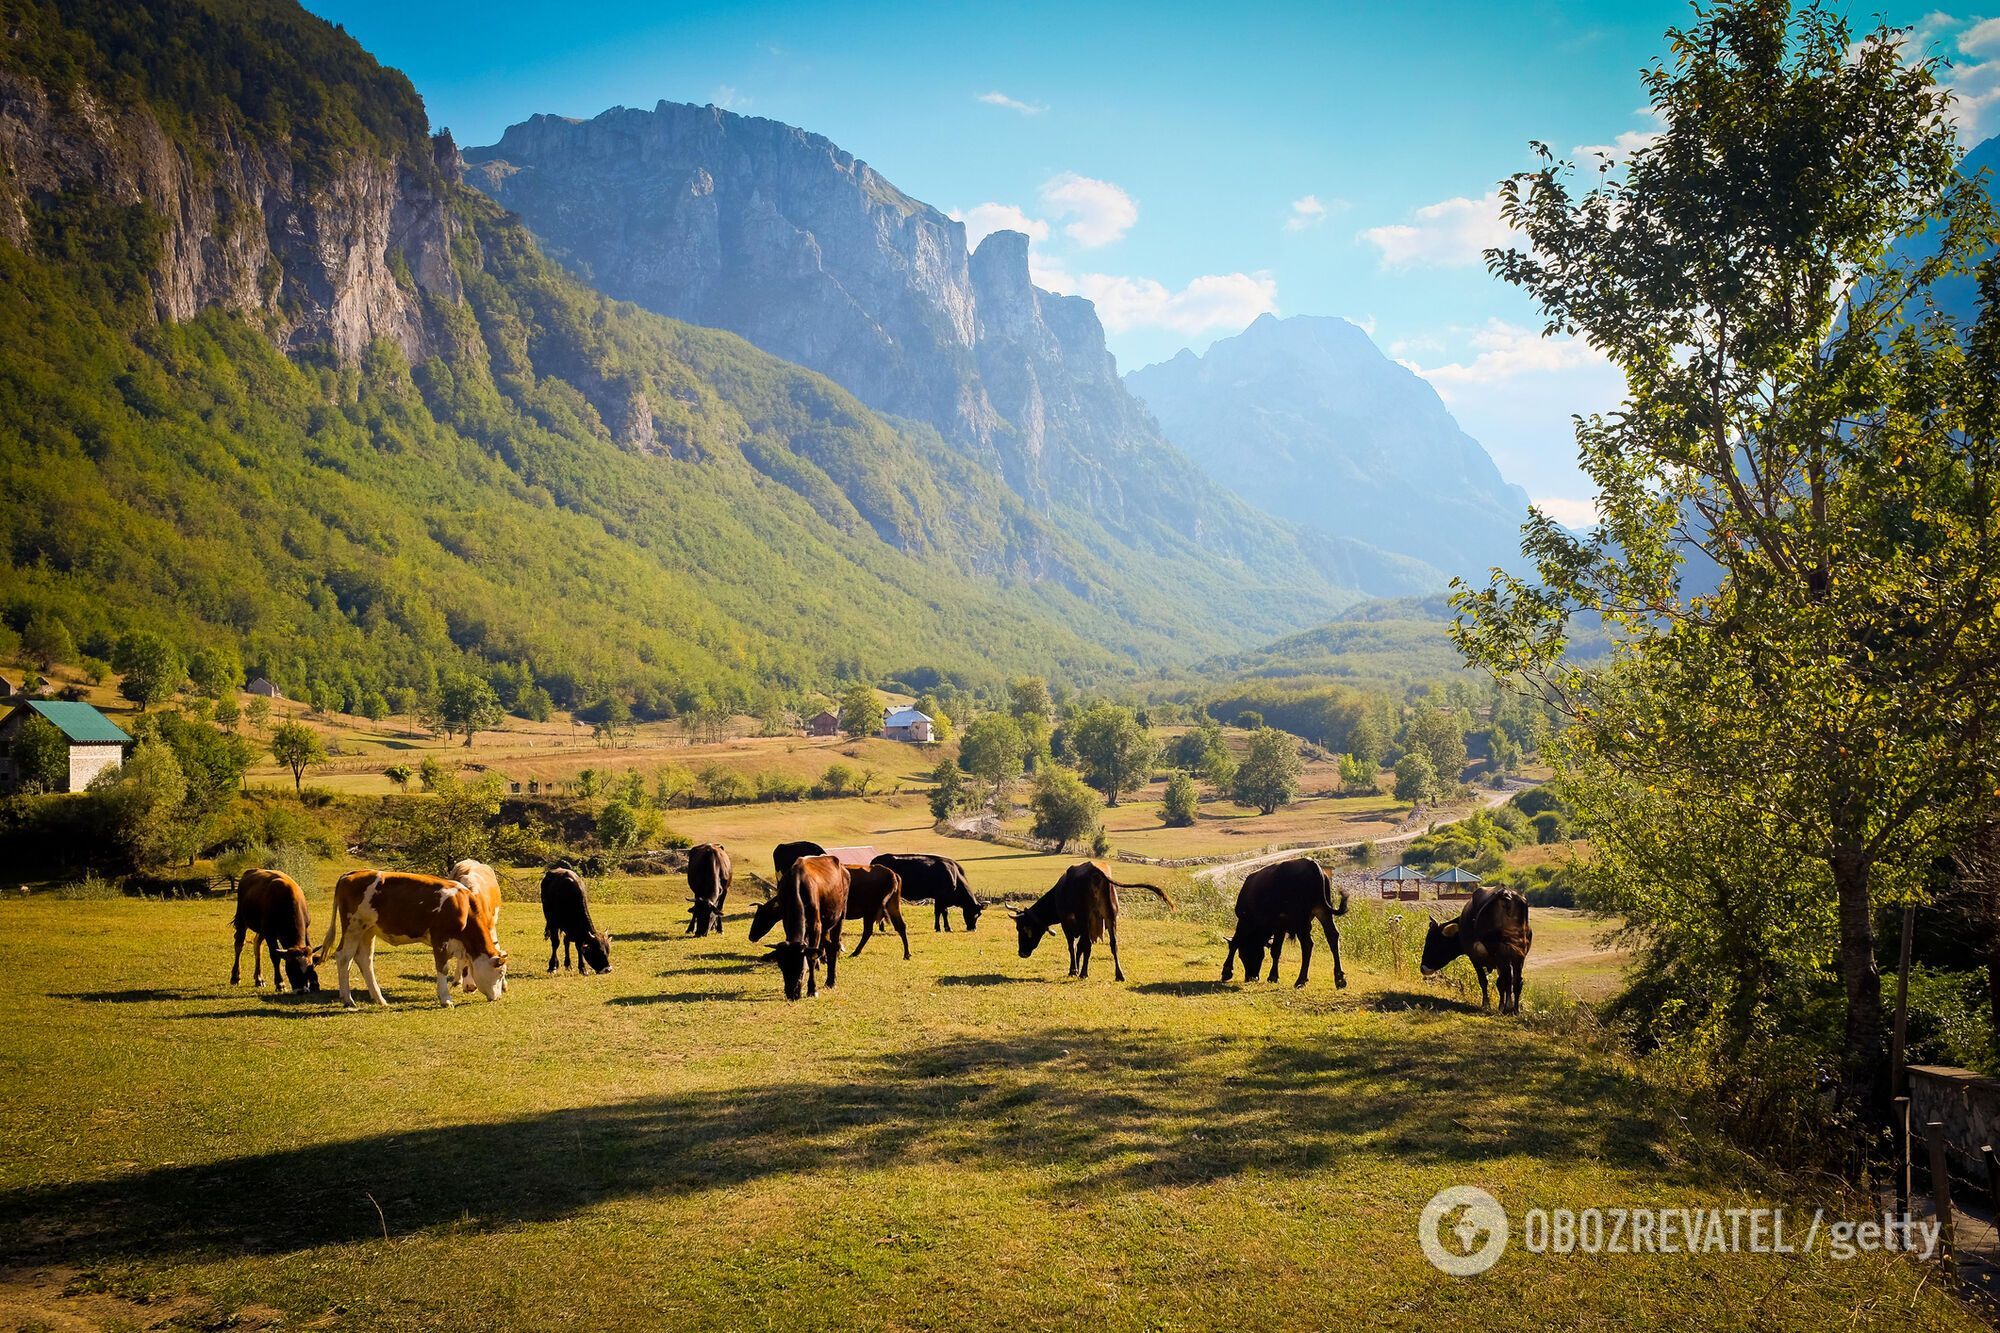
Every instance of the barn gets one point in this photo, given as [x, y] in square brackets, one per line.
[907, 724]
[262, 686]
[822, 723]
[96, 743]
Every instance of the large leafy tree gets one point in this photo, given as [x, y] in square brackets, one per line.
[1268, 777]
[467, 703]
[861, 712]
[152, 669]
[1797, 549]
[1114, 750]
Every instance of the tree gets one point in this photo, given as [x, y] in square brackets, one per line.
[860, 712]
[1028, 697]
[152, 668]
[1441, 738]
[993, 751]
[1114, 752]
[46, 640]
[399, 774]
[949, 793]
[621, 825]
[216, 672]
[1269, 775]
[1819, 438]
[41, 755]
[1065, 809]
[1249, 720]
[1415, 778]
[212, 763]
[435, 831]
[1203, 750]
[1182, 803]
[467, 703]
[1364, 744]
[258, 710]
[298, 747]
[141, 800]
[227, 712]
[1356, 774]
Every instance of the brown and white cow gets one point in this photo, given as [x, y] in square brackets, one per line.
[399, 908]
[484, 883]
[272, 907]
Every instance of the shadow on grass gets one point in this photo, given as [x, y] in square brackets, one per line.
[148, 996]
[687, 997]
[1210, 987]
[982, 979]
[1100, 1114]
[1397, 1001]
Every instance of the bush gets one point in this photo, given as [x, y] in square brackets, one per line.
[1182, 802]
[1269, 774]
[782, 787]
[1065, 809]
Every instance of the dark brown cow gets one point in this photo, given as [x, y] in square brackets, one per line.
[399, 908]
[272, 907]
[1492, 932]
[937, 880]
[1084, 902]
[566, 921]
[785, 853]
[709, 875]
[874, 895]
[1280, 900]
[812, 903]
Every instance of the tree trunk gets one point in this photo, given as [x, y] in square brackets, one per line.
[1865, 1077]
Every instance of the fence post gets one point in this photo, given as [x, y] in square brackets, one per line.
[1902, 1129]
[1940, 1189]
[1992, 1173]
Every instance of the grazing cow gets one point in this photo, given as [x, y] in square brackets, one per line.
[937, 880]
[787, 852]
[709, 873]
[399, 908]
[812, 903]
[1084, 902]
[566, 918]
[272, 907]
[484, 885]
[874, 895]
[1492, 932]
[1280, 900]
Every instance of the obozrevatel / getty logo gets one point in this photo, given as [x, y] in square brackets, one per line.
[1463, 1229]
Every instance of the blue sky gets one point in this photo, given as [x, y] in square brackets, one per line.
[1185, 166]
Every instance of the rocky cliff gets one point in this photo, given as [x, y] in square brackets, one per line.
[1305, 417]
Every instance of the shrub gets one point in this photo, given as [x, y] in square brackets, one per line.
[1182, 802]
[1065, 809]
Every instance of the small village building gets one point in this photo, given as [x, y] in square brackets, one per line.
[907, 724]
[265, 688]
[822, 723]
[1454, 883]
[96, 743]
[853, 858]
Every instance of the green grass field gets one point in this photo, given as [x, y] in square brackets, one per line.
[965, 1139]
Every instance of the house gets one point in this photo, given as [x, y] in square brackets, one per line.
[822, 723]
[96, 743]
[907, 724]
[265, 688]
[852, 857]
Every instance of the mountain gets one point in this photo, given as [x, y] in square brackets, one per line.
[1306, 418]
[271, 375]
[779, 235]
[1958, 294]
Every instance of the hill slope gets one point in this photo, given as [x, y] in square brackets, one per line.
[269, 372]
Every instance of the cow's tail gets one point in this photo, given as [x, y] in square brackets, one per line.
[1142, 885]
[1326, 894]
[335, 926]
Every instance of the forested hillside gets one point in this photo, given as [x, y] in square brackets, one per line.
[270, 374]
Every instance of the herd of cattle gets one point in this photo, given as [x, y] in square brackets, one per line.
[458, 916]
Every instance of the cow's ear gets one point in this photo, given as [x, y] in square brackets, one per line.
[1449, 930]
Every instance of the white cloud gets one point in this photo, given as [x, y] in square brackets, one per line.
[1306, 212]
[1451, 234]
[1101, 212]
[1981, 39]
[728, 98]
[1213, 301]
[1001, 99]
[1629, 142]
[1973, 48]
[982, 220]
[1503, 351]
[1570, 512]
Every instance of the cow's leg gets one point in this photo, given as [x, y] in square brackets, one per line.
[277, 967]
[553, 936]
[365, 959]
[1117, 969]
[1229, 961]
[1513, 974]
[1070, 940]
[446, 973]
[236, 963]
[346, 957]
[941, 915]
[867, 930]
[1333, 943]
[1485, 996]
[902, 931]
[1277, 949]
[721, 901]
[833, 954]
[1305, 954]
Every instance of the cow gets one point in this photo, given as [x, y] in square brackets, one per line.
[1492, 932]
[566, 920]
[272, 907]
[874, 895]
[1084, 902]
[709, 873]
[484, 885]
[937, 880]
[1280, 900]
[399, 908]
[785, 853]
[811, 903]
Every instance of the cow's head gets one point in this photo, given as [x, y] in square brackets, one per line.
[594, 950]
[791, 961]
[762, 919]
[972, 910]
[1250, 948]
[489, 973]
[1028, 932]
[1441, 945]
[301, 974]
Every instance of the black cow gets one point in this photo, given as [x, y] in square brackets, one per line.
[1492, 932]
[709, 874]
[937, 880]
[785, 853]
[1084, 902]
[566, 912]
[1280, 900]
[272, 907]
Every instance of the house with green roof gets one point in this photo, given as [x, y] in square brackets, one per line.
[96, 743]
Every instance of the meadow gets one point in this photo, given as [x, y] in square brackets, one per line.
[963, 1139]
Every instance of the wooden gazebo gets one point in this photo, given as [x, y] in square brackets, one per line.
[1401, 882]
[1455, 883]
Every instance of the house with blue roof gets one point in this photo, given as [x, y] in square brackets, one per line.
[96, 743]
